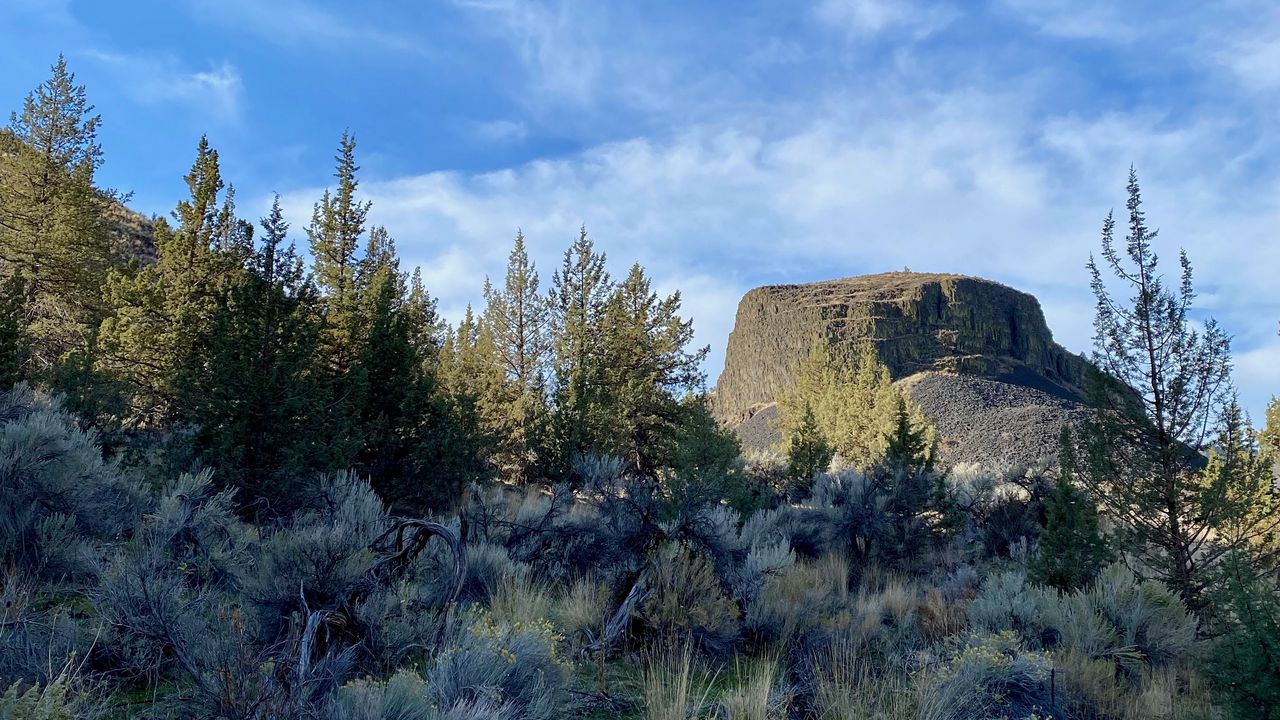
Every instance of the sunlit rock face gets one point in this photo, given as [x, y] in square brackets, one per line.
[969, 350]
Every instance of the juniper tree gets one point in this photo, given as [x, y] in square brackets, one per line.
[1072, 549]
[808, 452]
[52, 227]
[1161, 381]
[337, 224]
[649, 367]
[579, 294]
[13, 341]
[161, 315]
[257, 401]
[853, 401]
[517, 319]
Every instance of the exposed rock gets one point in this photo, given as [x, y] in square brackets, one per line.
[975, 354]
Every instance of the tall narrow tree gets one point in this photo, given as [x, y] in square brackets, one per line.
[517, 318]
[52, 227]
[579, 294]
[1162, 381]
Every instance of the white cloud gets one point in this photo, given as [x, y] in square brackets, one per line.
[554, 42]
[501, 131]
[299, 23]
[1077, 19]
[162, 79]
[861, 18]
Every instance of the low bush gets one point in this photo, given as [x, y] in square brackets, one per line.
[688, 601]
[993, 677]
[513, 670]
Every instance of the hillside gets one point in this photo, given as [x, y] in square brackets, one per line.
[977, 356]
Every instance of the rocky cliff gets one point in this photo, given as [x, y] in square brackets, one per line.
[962, 345]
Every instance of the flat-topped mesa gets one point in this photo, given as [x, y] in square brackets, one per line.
[916, 321]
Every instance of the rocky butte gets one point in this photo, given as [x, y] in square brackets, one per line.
[975, 354]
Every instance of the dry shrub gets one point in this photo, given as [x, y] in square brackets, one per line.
[688, 601]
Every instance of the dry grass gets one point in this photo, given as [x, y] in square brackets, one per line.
[846, 689]
[752, 697]
[582, 607]
[518, 598]
[671, 688]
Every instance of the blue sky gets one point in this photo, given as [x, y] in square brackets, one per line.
[724, 145]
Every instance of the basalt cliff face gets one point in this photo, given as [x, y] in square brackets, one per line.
[976, 355]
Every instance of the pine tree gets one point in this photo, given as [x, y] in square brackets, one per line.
[580, 293]
[52, 227]
[1072, 549]
[1161, 382]
[517, 319]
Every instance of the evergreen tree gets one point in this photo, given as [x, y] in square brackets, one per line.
[257, 401]
[1161, 383]
[52, 227]
[909, 445]
[808, 451]
[13, 342]
[580, 293]
[1270, 435]
[517, 319]
[648, 368]
[854, 403]
[704, 461]
[1072, 550]
[1244, 662]
[162, 315]
[337, 224]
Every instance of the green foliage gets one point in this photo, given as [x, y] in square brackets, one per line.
[854, 408]
[52, 226]
[1161, 382]
[58, 700]
[13, 341]
[808, 452]
[1072, 550]
[1244, 664]
[162, 315]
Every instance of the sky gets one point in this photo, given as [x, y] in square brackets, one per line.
[723, 145]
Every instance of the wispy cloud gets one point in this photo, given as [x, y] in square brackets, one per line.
[216, 91]
[1078, 19]
[306, 23]
[553, 41]
[501, 131]
[862, 18]
[961, 182]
